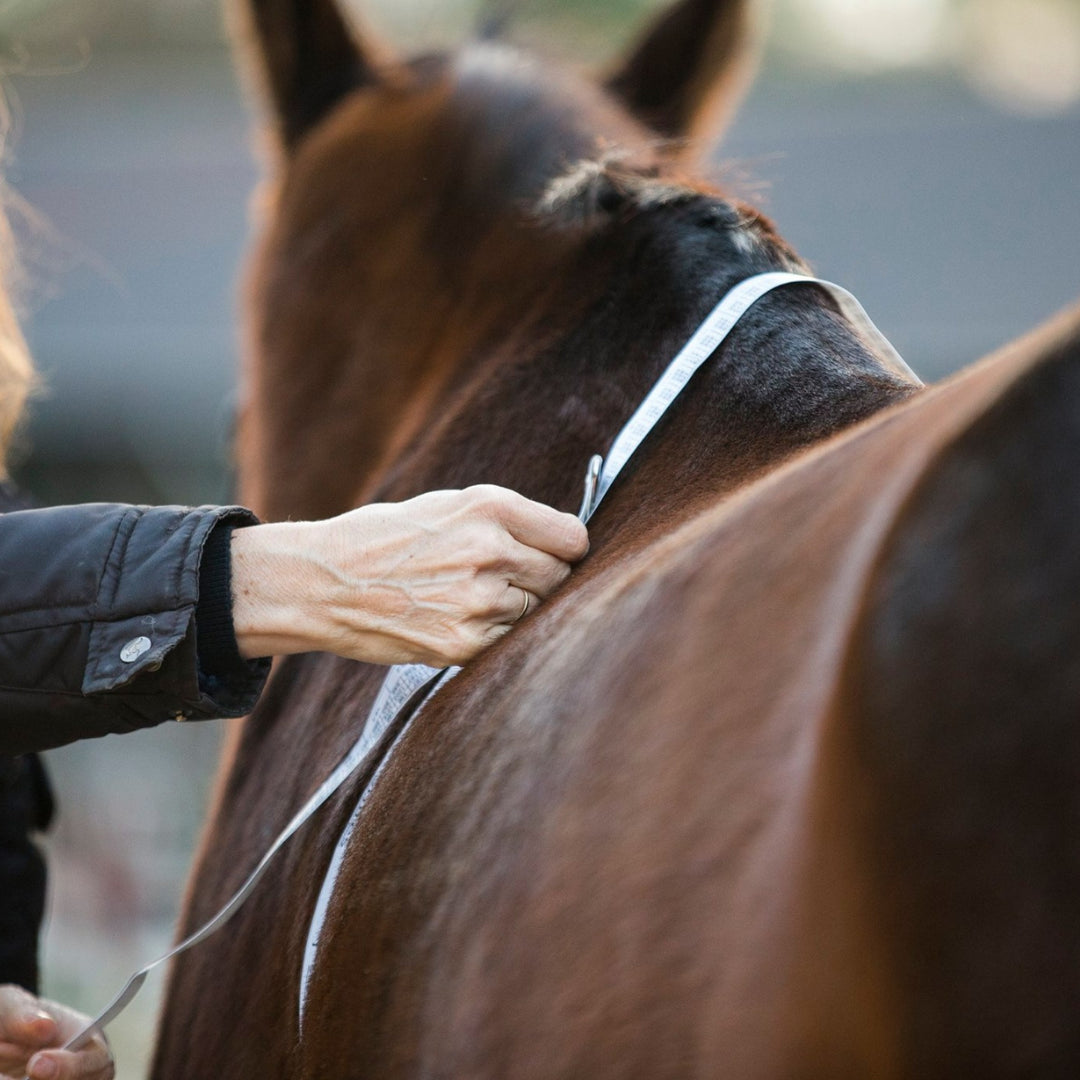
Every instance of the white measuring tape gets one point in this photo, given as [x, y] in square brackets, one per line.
[705, 341]
[402, 674]
[404, 682]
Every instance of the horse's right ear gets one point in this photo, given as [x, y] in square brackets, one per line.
[304, 56]
[687, 73]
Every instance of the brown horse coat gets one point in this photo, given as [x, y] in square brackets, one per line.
[782, 783]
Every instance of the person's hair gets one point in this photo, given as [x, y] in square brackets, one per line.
[16, 369]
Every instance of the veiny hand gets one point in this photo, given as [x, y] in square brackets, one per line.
[29, 1026]
[431, 580]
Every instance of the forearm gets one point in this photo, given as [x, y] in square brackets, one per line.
[329, 586]
[101, 614]
[274, 590]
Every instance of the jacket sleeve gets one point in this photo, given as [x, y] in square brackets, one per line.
[97, 623]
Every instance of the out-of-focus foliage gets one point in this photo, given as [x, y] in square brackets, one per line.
[1024, 54]
[121, 21]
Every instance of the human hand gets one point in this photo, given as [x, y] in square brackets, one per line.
[30, 1031]
[431, 580]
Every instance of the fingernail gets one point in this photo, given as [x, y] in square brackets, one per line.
[43, 1068]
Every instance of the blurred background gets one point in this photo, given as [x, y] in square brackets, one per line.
[924, 153]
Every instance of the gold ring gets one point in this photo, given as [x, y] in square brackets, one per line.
[524, 606]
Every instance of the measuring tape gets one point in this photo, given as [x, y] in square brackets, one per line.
[409, 683]
[706, 340]
[398, 679]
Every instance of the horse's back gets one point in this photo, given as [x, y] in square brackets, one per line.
[602, 855]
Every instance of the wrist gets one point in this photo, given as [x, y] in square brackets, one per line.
[273, 574]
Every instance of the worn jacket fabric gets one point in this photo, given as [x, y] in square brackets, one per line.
[26, 808]
[97, 623]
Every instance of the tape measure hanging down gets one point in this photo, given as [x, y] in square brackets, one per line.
[407, 685]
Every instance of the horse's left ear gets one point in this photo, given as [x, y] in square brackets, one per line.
[688, 72]
[305, 56]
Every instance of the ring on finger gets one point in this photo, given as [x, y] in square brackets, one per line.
[526, 598]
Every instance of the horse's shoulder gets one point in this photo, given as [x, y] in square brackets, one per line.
[971, 602]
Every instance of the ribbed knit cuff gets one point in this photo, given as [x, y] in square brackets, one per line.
[215, 634]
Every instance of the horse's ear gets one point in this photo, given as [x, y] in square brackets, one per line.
[687, 74]
[304, 56]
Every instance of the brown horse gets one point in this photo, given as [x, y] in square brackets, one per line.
[783, 783]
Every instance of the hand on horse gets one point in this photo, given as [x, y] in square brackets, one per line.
[31, 1028]
[431, 580]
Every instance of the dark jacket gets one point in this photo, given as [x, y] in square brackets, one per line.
[26, 808]
[114, 618]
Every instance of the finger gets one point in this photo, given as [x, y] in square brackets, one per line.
[493, 633]
[26, 1034]
[517, 604]
[25, 1039]
[536, 525]
[535, 571]
[23, 1021]
[13, 1059]
[92, 1062]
